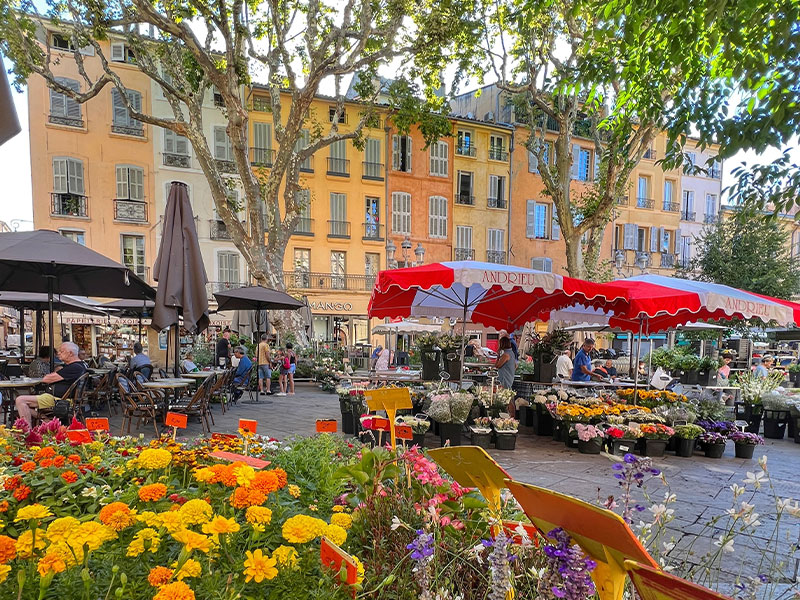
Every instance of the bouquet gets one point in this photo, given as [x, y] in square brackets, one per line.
[622, 432]
[482, 425]
[744, 437]
[450, 408]
[656, 431]
[506, 425]
[417, 424]
[587, 433]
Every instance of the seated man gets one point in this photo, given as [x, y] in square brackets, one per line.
[188, 363]
[139, 358]
[242, 375]
[609, 368]
[64, 377]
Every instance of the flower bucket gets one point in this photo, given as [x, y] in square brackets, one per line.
[544, 370]
[796, 429]
[543, 424]
[689, 377]
[653, 447]
[430, 364]
[571, 442]
[526, 416]
[707, 377]
[348, 426]
[592, 446]
[750, 413]
[453, 367]
[622, 446]
[744, 450]
[559, 430]
[451, 432]
[775, 424]
[482, 440]
[506, 441]
[715, 450]
[418, 439]
[791, 427]
[685, 447]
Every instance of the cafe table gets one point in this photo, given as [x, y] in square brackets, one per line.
[14, 386]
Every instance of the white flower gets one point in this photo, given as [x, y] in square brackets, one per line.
[89, 492]
[477, 550]
[787, 506]
[668, 497]
[668, 546]
[762, 462]
[726, 546]
[755, 478]
[523, 534]
[396, 523]
[661, 512]
[737, 490]
[751, 520]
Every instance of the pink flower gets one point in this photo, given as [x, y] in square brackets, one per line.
[445, 521]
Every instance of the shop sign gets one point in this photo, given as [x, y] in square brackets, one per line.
[333, 306]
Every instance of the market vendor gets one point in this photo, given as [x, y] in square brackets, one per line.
[764, 368]
[582, 365]
[724, 372]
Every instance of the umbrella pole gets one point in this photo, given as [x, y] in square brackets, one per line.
[22, 335]
[463, 333]
[177, 349]
[140, 328]
[50, 321]
[636, 362]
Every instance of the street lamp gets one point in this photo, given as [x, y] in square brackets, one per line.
[419, 252]
[406, 246]
[390, 250]
[619, 261]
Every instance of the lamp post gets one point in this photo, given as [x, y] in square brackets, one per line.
[390, 250]
[406, 246]
[419, 252]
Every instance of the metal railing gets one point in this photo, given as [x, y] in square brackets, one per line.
[226, 166]
[307, 166]
[496, 203]
[305, 226]
[672, 206]
[339, 229]
[498, 154]
[645, 203]
[463, 254]
[339, 167]
[262, 157]
[668, 260]
[219, 231]
[68, 121]
[468, 150]
[688, 216]
[183, 161]
[327, 281]
[372, 170]
[68, 205]
[127, 130]
[622, 201]
[132, 211]
[709, 219]
[373, 231]
[496, 256]
[465, 199]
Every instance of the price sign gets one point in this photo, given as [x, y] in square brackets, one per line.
[326, 425]
[176, 420]
[514, 531]
[404, 432]
[380, 424]
[256, 463]
[79, 436]
[97, 424]
[248, 425]
[224, 436]
[333, 557]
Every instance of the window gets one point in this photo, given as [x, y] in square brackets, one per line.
[74, 235]
[691, 157]
[584, 162]
[669, 193]
[536, 220]
[332, 114]
[64, 107]
[219, 101]
[133, 253]
[556, 228]
[372, 218]
[497, 191]
[120, 52]
[437, 217]
[68, 176]
[338, 270]
[533, 161]
[711, 207]
[401, 213]
[130, 183]
[373, 165]
[303, 199]
[464, 243]
[542, 263]
[228, 268]
[641, 239]
[337, 162]
[795, 244]
[122, 118]
[495, 246]
[302, 267]
[223, 150]
[175, 143]
[685, 251]
[497, 150]
[371, 266]
[465, 181]
[338, 224]
[439, 159]
[466, 143]
[262, 144]
[401, 153]
[61, 42]
[666, 239]
[303, 142]
[629, 236]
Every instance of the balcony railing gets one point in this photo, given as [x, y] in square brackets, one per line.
[219, 231]
[467, 150]
[372, 170]
[137, 131]
[68, 121]
[328, 281]
[622, 201]
[465, 199]
[497, 203]
[226, 166]
[262, 157]
[709, 219]
[649, 154]
[688, 216]
[496, 256]
[68, 205]
[672, 207]
[339, 229]
[645, 203]
[305, 226]
[221, 286]
[339, 167]
[307, 166]
[668, 260]
[183, 161]
[131, 211]
[373, 231]
[498, 154]
[463, 254]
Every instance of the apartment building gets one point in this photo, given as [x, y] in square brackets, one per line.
[700, 199]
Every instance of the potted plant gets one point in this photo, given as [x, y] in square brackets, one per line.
[752, 388]
[526, 369]
[714, 444]
[450, 345]
[707, 371]
[495, 401]
[430, 355]
[506, 430]
[481, 431]
[419, 427]
[654, 438]
[543, 421]
[622, 439]
[590, 438]
[776, 414]
[686, 439]
[525, 412]
[450, 411]
[689, 365]
[794, 374]
[351, 405]
[745, 443]
[544, 351]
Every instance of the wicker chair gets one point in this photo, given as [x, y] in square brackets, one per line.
[197, 405]
[103, 392]
[75, 394]
[136, 404]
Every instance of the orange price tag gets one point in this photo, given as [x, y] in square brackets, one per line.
[79, 436]
[224, 436]
[248, 425]
[326, 425]
[97, 424]
[176, 420]
[256, 463]
[512, 531]
[332, 556]
[380, 424]
[404, 432]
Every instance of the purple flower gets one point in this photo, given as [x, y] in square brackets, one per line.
[630, 459]
[422, 547]
[568, 569]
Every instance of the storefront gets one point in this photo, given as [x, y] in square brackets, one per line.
[340, 321]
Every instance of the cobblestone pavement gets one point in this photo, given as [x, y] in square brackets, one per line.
[702, 485]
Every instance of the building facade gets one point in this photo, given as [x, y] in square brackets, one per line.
[700, 199]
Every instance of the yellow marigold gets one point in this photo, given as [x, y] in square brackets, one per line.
[61, 529]
[171, 520]
[190, 568]
[359, 570]
[338, 508]
[336, 534]
[145, 540]
[175, 591]
[205, 475]
[26, 540]
[285, 555]
[294, 491]
[117, 515]
[149, 518]
[52, 562]
[258, 514]
[72, 555]
[343, 520]
[154, 458]
[219, 525]
[244, 473]
[195, 512]
[259, 566]
[193, 541]
[4, 571]
[300, 529]
[153, 492]
[33, 512]
[159, 576]
[93, 534]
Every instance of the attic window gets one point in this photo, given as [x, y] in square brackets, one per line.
[332, 115]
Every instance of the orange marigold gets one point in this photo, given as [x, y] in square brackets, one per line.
[152, 492]
[243, 497]
[59, 461]
[69, 476]
[265, 481]
[46, 462]
[3, 506]
[21, 493]
[12, 483]
[8, 549]
[117, 515]
[74, 459]
[282, 478]
[224, 474]
[159, 576]
[46, 452]
[175, 591]
[27, 466]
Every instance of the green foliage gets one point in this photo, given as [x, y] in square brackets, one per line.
[710, 408]
[688, 432]
[550, 345]
[203, 353]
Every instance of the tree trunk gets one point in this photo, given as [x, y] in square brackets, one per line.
[285, 321]
[575, 264]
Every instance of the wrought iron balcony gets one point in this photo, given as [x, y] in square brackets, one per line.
[466, 150]
[68, 205]
[226, 166]
[137, 131]
[340, 167]
[307, 166]
[668, 260]
[672, 206]
[183, 161]
[373, 231]
[622, 201]
[301, 279]
[68, 121]
[688, 216]
[709, 219]
[262, 157]
[339, 229]
[305, 226]
[497, 203]
[130, 211]
[465, 199]
[498, 154]
[463, 254]
[496, 256]
[645, 203]
[372, 170]
[219, 231]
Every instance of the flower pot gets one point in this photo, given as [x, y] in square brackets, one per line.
[653, 447]
[451, 432]
[745, 450]
[715, 450]
[543, 424]
[571, 442]
[544, 370]
[506, 441]
[622, 446]
[790, 427]
[482, 440]
[430, 364]
[526, 415]
[750, 413]
[559, 430]
[592, 446]
[453, 367]
[796, 429]
[689, 377]
[775, 424]
[348, 426]
[707, 377]
[795, 378]
[418, 439]
[685, 447]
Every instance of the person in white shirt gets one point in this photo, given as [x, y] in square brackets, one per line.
[564, 366]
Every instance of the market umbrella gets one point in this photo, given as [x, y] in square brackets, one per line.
[179, 271]
[9, 123]
[47, 262]
[131, 308]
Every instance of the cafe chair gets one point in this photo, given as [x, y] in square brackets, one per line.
[135, 404]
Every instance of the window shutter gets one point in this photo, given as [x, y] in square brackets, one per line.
[60, 175]
[220, 143]
[654, 238]
[533, 163]
[629, 243]
[181, 145]
[408, 154]
[136, 180]
[75, 176]
[396, 152]
[136, 101]
[597, 160]
[501, 190]
[169, 141]
[493, 179]
[372, 151]
[576, 161]
[678, 239]
[58, 101]
[261, 135]
[530, 219]
[556, 235]
[120, 112]
[122, 182]
[118, 52]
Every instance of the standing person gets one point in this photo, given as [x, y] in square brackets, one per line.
[40, 366]
[222, 357]
[264, 365]
[510, 336]
[284, 365]
[382, 364]
[564, 365]
[764, 368]
[374, 357]
[242, 375]
[724, 372]
[62, 379]
[506, 364]
[582, 367]
[292, 367]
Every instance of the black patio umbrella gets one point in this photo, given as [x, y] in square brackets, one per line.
[133, 308]
[47, 262]
[179, 271]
